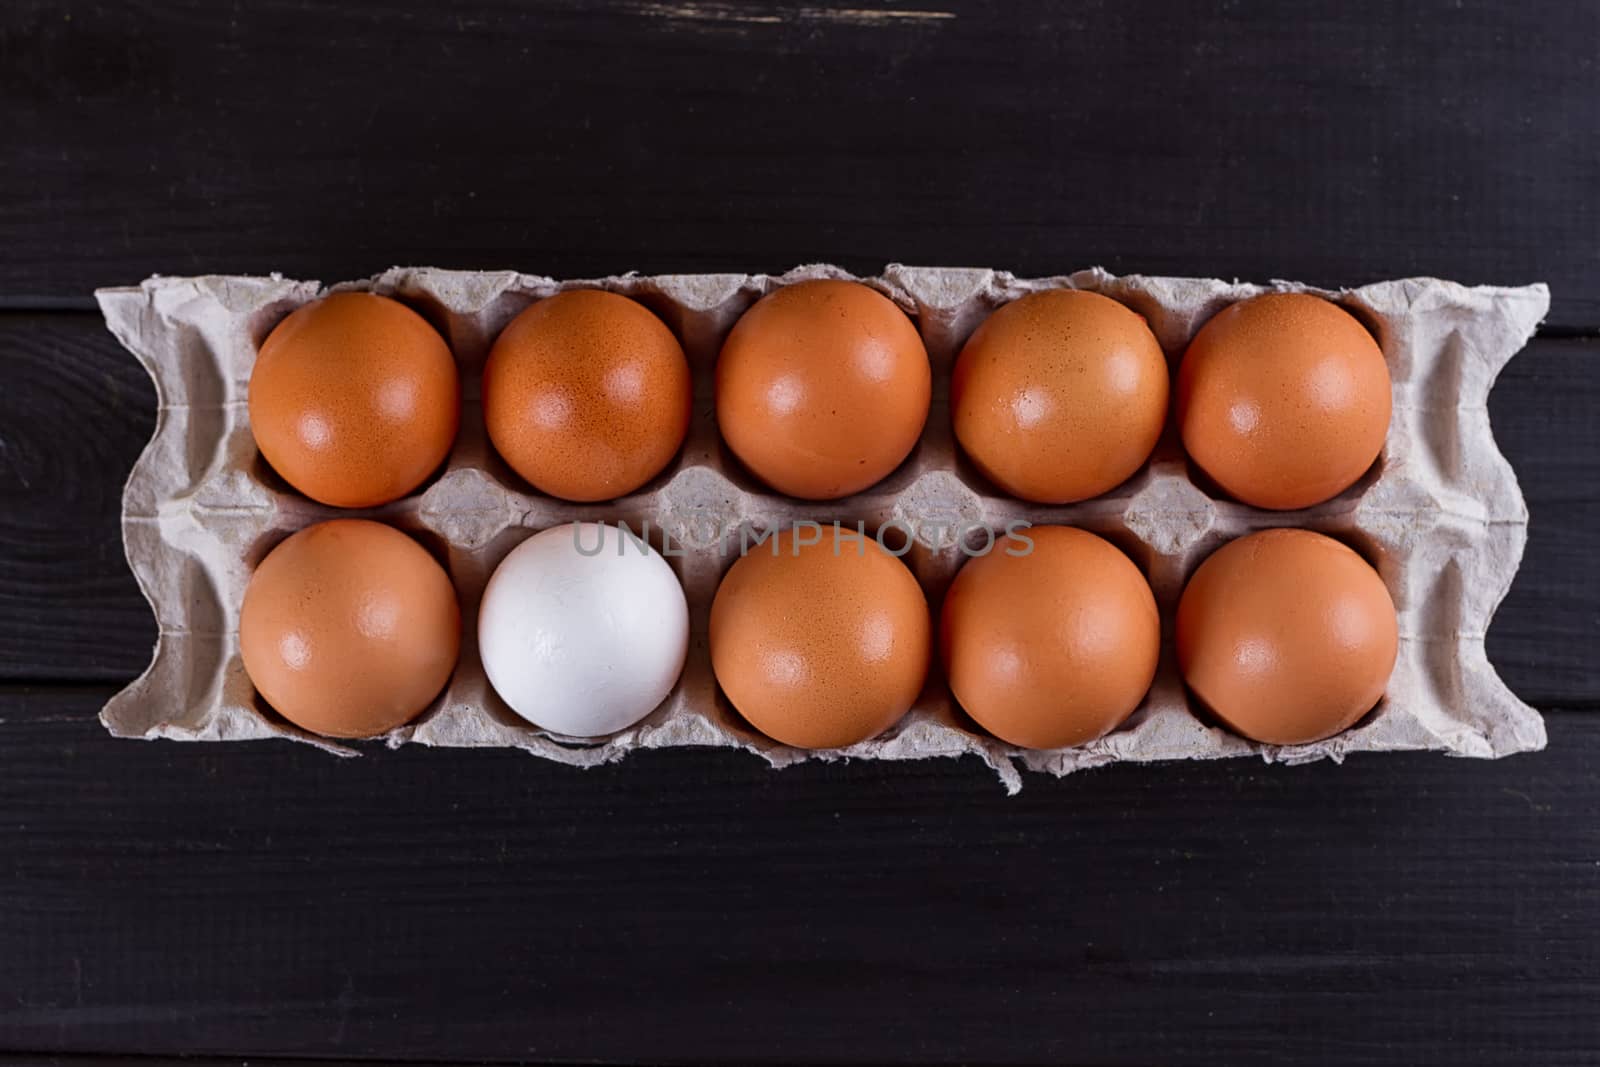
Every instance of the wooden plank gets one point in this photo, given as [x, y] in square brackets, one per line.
[1545, 411]
[267, 899]
[45, 1059]
[77, 410]
[39, 1059]
[1338, 146]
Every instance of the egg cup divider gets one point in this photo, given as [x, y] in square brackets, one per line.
[1440, 515]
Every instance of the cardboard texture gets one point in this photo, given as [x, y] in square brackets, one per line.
[1440, 515]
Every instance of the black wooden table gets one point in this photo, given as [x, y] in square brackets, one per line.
[264, 900]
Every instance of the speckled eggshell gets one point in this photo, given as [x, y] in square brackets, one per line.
[1051, 639]
[586, 394]
[820, 645]
[349, 628]
[1287, 636]
[1283, 400]
[354, 400]
[823, 388]
[1060, 395]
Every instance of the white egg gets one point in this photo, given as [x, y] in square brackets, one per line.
[583, 629]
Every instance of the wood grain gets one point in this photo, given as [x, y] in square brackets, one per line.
[1545, 412]
[81, 409]
[242, 901]
[40, 1059]
[75, 412]
[1342, 145]
[698, 907]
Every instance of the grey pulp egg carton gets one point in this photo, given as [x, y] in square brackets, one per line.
[1440, 515]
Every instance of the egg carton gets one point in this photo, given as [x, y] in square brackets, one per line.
[1440, 515]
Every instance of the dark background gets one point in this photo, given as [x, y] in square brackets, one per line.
[265, 900]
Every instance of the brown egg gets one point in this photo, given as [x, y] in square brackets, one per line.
[586, 394]
[823, 389]
[1060, 395]
[820, 645]
[349, 628]
[1283, 400]
[354, 400]
[1051, 639]
[1287, 636]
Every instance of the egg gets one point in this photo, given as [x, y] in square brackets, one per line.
[820, 639]
[823, 388]
[1059, 395]
[583, 629]
[1051, 638]
[354, 400]
[1283, 400]
[349, 628]
[1287, 636]
[586, 394]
